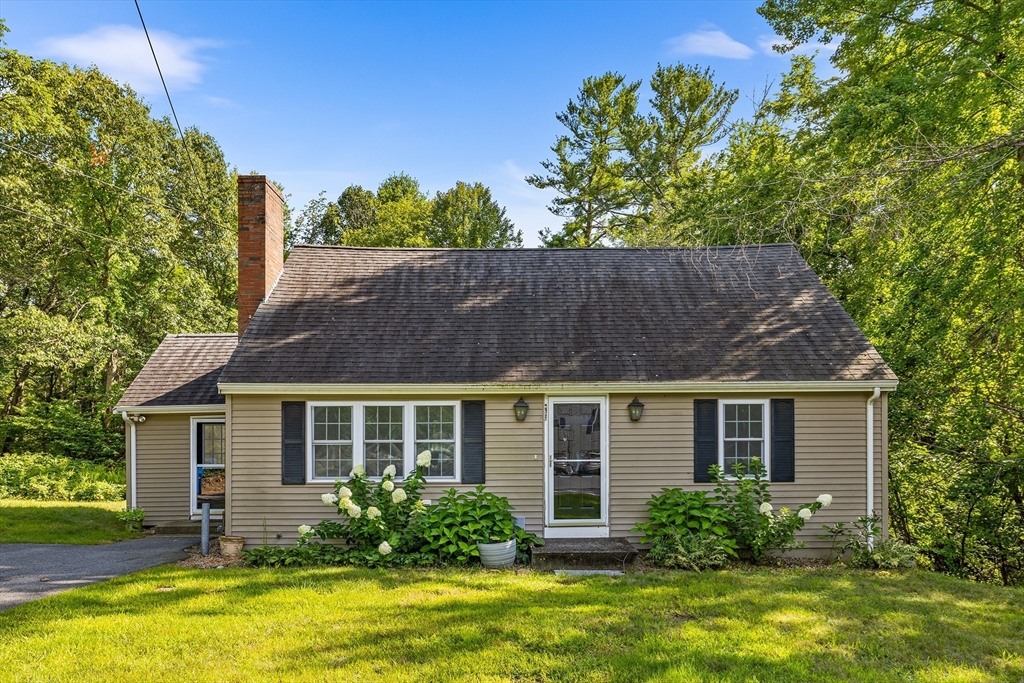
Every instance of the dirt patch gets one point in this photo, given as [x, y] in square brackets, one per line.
[212, 561]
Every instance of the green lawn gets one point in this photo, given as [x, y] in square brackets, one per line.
[176, 624]
[39, 521]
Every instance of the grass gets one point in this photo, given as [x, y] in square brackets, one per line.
[79, 523]
[331, 624]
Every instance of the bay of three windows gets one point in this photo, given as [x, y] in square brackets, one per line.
[375, 436]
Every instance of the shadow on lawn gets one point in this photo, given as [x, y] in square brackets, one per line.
[786, 625]
[638, 630]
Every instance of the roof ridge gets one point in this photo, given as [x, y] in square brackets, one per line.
[546, 249]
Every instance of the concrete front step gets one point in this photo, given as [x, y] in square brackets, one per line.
[583, 553]
[185, 527]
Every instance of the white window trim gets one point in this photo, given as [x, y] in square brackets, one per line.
[766, 435]
[193, 444]
[408, 435]
[597, 528]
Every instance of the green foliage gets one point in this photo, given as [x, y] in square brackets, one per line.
[865, 548]
[753, 523]
[108, 243]
[690, 551]
[401, 215]
[459, 521]
[380, 521]
[132, 515]
[691, 513]
[623, 176]
[45, 477]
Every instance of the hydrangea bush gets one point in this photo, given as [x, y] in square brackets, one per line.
[380, 521]
[753, 522]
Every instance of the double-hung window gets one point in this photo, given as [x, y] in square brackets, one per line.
[332, 441]
[743, 425]
[435, 432]
[378, 434]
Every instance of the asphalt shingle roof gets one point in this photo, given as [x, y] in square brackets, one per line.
[183, 370]
[364, 316]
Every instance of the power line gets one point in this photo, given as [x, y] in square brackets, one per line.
[168, 93]
[141, 249]
[62, 167]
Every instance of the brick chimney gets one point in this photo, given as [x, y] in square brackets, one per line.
[260, 243]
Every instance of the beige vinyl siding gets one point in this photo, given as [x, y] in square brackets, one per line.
[514, 466]
[163, 445]
[644, 456]
[830, 454]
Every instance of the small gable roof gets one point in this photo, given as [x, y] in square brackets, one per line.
[343, 315]
[183, 371]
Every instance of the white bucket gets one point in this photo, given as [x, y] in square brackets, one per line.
[497, 555]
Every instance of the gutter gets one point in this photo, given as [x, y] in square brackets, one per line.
[132, 468]
[569, 388]
[871, 457]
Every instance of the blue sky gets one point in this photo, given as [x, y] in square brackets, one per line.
[320, 95]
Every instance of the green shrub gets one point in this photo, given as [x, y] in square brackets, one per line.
[868, 551]
[459, 521]
[690, 551]
[752, 520]
[677, 512]
[46, 477]
[379, 521]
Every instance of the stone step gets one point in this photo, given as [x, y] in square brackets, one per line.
[583, 553]
[185, 527]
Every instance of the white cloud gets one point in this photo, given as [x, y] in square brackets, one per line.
[710, 42]
[122, 53]
[525, 205]
[768, 43]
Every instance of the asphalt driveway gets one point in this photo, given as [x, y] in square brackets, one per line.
[29, 571]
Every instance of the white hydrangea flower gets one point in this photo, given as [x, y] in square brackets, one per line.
[423, 459]
[305, 529]
[805, 513]
[399, 495]
[384, 548]
[354, 511]
[390, 471]
[825, 500]
[329, 499]
[358, 471]
[766, 508]
[388, 486]
[372, 513]
[344, 492]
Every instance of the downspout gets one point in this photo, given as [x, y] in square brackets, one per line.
[133, 495]
[871, 457]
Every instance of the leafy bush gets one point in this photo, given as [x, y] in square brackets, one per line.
[868, 551]
[752, 521]
[383, 524]
[46, 477]
[681, 512]
[380, 521]
[459, 521]
[690, 551]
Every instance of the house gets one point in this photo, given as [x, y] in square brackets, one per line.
[577, 383]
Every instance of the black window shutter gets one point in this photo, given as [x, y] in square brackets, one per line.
[705, 438]
[473, 442]
[782, 454]
[293, 442]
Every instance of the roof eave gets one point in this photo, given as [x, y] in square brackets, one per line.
[206, 408]
[733, 387]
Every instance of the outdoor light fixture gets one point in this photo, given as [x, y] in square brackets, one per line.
[636, 409]
[521, 407]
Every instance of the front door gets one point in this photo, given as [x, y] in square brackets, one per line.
[577, 468]
[208, 454]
